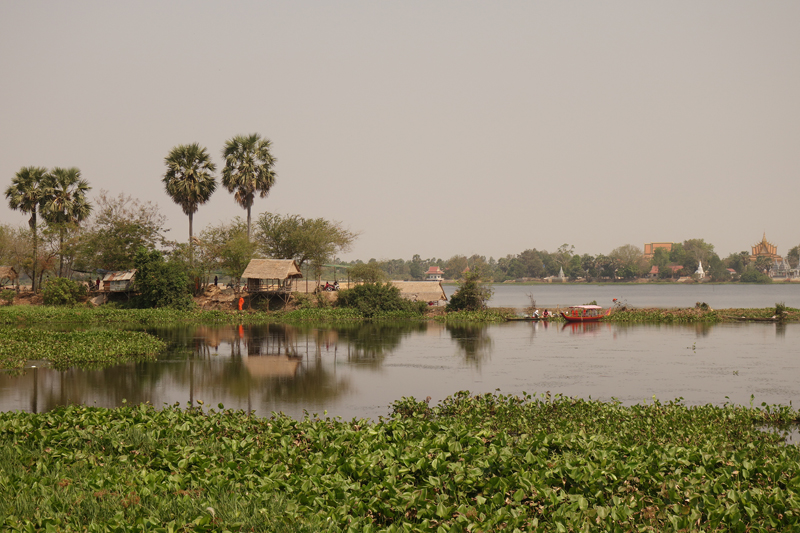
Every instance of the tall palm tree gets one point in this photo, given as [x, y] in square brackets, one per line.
[64, 203]
[25, 194]
[248, 169]
[189, 180]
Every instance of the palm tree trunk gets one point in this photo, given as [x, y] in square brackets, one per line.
[248, 223]
[61, 252]
[191, 243]
[35, 250]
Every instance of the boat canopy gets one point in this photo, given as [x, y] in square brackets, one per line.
[585, 307]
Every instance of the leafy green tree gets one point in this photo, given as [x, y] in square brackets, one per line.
[793, 257]
[25, 194]
[737, 261]
[753, 275]
[630, 261]
[717, 270]
[471, 295]
[227, 247]
[455, 267]
[161, 283]
[64, 204]
[699, 250]
[368, 272]
[660, 258]
[313, 240]
[248, 169]
[189, 179]
[117, 229]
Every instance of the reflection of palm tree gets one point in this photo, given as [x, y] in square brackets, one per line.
[248, 169]
[25, 194]
[472, 339]
[65, 203]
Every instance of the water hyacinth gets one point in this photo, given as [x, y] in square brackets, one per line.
[65, 349]
[472, 463]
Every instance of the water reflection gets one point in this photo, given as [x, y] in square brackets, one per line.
[472, 339]
[358, 369]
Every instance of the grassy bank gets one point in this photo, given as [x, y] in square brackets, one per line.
[486, 463]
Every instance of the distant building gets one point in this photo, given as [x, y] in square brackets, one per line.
[434, 273]
[764, 248]
[121, 281]
[651, 247]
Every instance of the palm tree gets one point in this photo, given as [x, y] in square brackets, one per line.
[189, 180]
[248, 169]
[64, 203]
[25, 194]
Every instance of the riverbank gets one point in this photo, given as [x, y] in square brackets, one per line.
[491, 463]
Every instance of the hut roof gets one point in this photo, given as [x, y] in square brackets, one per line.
[421, 291]
[122, 275]
[8, 272]
[272, 366]
[271, 269]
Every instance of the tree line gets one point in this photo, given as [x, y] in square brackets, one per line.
[626, 262]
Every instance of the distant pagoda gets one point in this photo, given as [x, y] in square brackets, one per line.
[764, 248]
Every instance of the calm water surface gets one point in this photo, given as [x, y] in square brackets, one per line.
[645, 294]
[358, 370]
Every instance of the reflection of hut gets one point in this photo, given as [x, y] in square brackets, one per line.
[8, 275]
[421, 291]
[118, 281]
[271, 275]
[272, 366]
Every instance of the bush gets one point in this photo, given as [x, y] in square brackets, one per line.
[8, 296]
[374, 298]
[63, 291]
[751, 275]
[471, 295]
[161, 283]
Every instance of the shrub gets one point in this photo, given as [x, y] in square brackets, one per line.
[471, 295]
[63, 291]
[375, 298]
[8, 296]
[752, 275]
[161, 283]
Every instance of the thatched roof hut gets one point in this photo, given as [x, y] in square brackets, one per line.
[271, 274]
[421, 291]
[7, 275]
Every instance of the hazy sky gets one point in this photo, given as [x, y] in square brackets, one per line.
[434, 128]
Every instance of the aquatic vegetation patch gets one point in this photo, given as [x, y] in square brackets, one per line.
[479, 463]
[484, 315]
[65, 349]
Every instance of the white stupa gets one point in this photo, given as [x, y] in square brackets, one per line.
[561, 273]
[700, 273]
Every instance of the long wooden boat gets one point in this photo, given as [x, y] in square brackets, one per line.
[585, 313]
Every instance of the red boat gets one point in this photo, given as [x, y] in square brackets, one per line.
[585, 313]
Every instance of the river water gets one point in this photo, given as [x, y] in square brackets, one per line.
[665, 295]
[358, 370]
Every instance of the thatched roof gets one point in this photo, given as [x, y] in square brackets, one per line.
[272, 366]
[421, 291]
[8, 273]
[272, 269]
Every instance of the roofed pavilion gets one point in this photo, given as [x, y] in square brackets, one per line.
[764, 248]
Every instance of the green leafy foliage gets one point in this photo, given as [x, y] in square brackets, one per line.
[752, 275]
[63, 291]
[8, 295]
[86, 349]
[471, 463]
[471, 295]
[161, 283]
[371, 299]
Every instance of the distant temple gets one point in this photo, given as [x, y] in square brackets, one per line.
[765, 249]
[650, 248]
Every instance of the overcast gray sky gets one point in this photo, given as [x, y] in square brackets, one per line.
[434, 128]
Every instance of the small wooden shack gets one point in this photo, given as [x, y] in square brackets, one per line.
[271, 275]
[8, 275]
[421, 291]
[118, 281]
